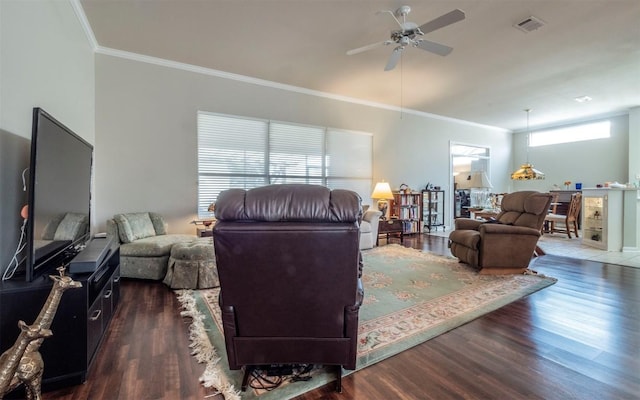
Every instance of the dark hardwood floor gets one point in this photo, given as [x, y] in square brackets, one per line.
[577, 339]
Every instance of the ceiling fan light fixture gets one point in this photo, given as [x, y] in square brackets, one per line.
[410, 34]
[403, 11]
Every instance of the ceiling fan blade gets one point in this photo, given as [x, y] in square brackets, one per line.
[433, 47]
[393, 60]
[365, 48]
[442, 21]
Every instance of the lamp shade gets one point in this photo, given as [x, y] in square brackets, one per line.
[478, 180]
[382, 191]
[475, 180]
[462, 180]
[527, 173]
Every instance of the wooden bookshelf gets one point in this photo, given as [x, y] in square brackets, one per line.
[407, 207]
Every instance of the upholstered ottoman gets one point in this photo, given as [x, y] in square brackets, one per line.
[192, 266]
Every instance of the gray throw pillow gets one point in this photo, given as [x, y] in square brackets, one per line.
[134, 226]
[158, 223]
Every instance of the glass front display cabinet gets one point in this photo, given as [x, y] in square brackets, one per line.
[593, 229]
[433, 209]
[602, 218]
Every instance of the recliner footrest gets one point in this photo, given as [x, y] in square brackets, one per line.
[256, 351]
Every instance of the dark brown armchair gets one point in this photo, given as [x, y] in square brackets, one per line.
[288, 259]
[507, 244]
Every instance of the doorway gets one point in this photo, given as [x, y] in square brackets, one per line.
[470, 171]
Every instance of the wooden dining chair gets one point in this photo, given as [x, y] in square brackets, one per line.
[546, 226]
[569, 221]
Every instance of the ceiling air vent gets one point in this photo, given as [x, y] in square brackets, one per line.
[529, 24]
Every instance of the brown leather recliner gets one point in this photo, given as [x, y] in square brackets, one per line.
[289, 264]
[507, 244]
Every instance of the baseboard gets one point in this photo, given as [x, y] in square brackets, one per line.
[627, 249]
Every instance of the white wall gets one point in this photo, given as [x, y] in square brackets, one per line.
[631, 205]
[146, 135]
[45, 61]
[634, 145]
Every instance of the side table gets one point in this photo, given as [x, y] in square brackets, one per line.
[203, 232]
[389, 226]
[204, 227]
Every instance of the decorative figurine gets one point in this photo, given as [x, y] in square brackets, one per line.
[10, 359]
[30, 367]
[404, 188]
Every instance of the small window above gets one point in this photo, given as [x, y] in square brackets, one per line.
[575, 133]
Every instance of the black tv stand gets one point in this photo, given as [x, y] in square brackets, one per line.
[80, 323]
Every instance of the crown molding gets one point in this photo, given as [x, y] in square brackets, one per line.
[84, 22]
[275, 85]
[77, 7]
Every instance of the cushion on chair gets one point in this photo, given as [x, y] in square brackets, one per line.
[467, 238]
[279, 203]
[365, 227]
[134, 226]
[154, 246]
[369, 229]
[158, 223]
[523, 209]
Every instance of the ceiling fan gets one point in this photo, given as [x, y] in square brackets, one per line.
[410, 34]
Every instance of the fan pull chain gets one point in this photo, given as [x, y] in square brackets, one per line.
[401, 84]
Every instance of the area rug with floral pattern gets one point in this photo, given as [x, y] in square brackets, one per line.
[411, 296]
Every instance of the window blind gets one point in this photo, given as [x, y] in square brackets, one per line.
[238, 152]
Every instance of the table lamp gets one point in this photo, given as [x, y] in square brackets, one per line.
[382, 193]
[479, 183]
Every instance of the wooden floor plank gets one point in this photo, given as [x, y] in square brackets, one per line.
[576, 339]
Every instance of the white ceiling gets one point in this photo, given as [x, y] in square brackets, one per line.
[587, 47]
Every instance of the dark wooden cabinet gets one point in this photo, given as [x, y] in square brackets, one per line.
[389, 227]
[78, 327]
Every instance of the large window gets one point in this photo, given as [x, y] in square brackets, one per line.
[576, 133]
[238, 152]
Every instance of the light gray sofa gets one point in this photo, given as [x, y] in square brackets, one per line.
[145, 246]
[369, 229]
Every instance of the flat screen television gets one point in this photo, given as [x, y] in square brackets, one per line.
[59, 195]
